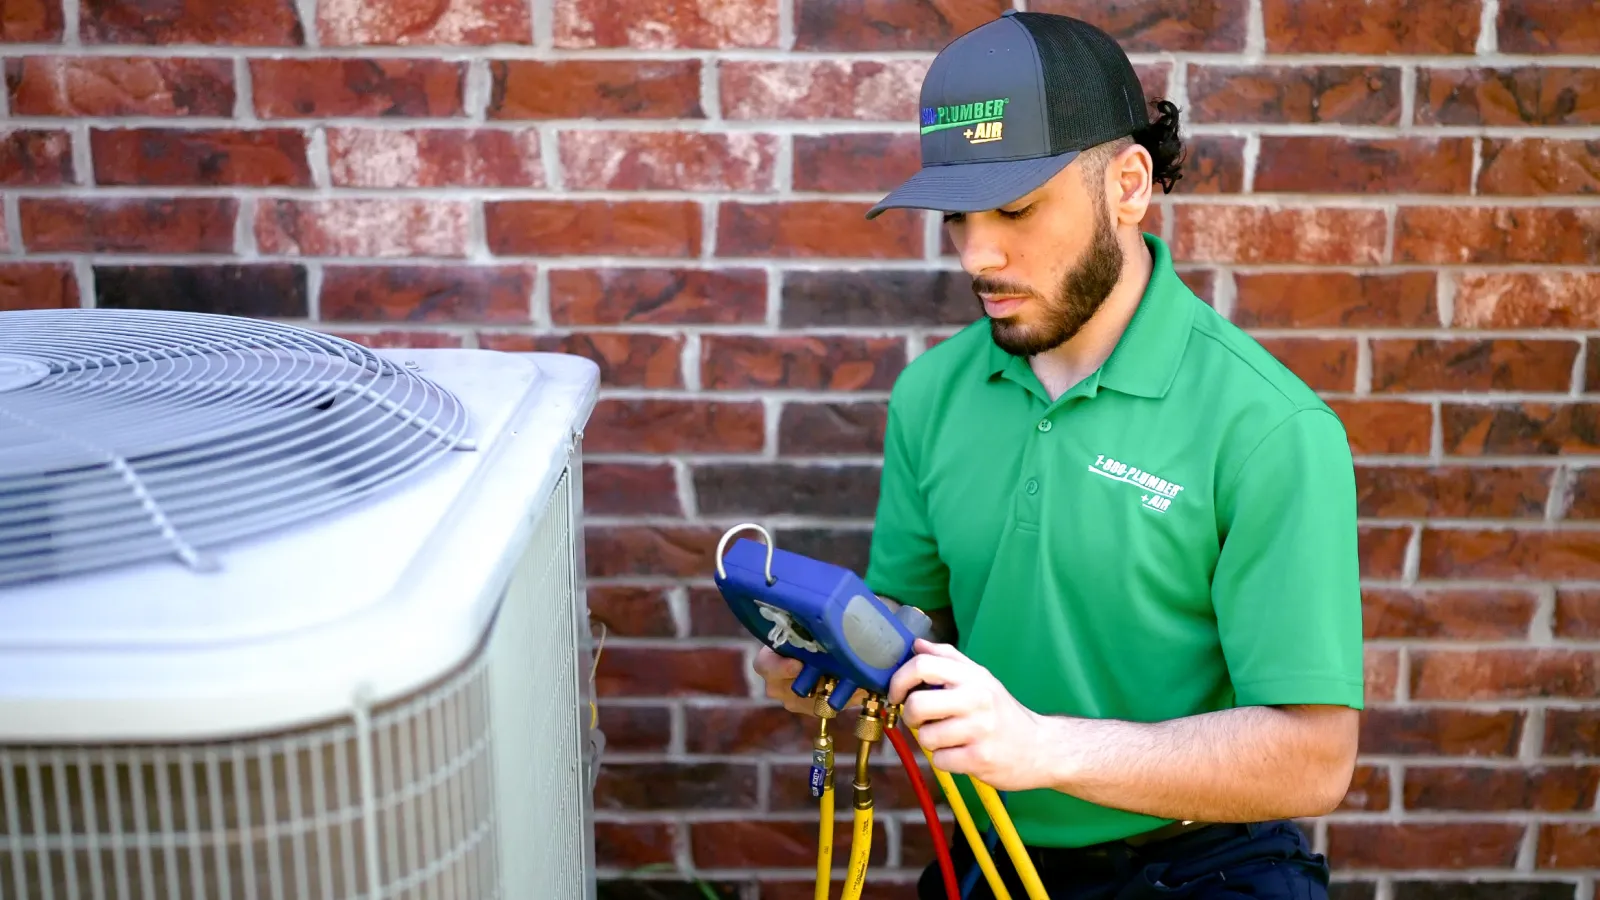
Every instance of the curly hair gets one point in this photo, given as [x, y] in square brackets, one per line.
[1160, 138]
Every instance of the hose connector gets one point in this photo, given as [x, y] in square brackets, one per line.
[821, 779]
[869, 730]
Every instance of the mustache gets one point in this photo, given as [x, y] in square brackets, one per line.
[991, 286]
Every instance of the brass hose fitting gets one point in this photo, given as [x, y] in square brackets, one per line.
[869, 730]
[822, 744]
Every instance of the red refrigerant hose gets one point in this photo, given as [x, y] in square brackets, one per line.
[940, 846]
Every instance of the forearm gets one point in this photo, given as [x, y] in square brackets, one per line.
[1238, 765]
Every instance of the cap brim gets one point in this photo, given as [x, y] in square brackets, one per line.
[973, 187]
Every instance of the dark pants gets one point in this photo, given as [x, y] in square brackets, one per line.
[1221, 862]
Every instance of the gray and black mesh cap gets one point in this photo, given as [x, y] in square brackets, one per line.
[1012, 102]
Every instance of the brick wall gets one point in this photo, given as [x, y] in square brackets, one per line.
[1400, 203]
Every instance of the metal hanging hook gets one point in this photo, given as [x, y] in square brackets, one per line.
[765, 537]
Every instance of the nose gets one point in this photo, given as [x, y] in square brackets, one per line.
[979, 246]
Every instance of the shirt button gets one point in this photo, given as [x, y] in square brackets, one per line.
[1044, 425]
[1032, 486]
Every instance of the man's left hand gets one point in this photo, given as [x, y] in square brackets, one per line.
[972, 725]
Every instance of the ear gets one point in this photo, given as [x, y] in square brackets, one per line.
[1130, 184]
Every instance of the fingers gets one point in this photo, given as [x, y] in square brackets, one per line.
[933, 648]
[947, 734]
[769, 664]
[923, 707]
[929, 669]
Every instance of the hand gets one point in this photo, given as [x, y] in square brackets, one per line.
[779, 673]
[973, 726]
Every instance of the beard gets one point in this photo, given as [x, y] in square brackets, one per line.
[1079, 295]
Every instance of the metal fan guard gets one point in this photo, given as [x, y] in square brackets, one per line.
[131, 435]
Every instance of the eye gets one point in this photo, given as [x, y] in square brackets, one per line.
[1019, 213]
[950, 218]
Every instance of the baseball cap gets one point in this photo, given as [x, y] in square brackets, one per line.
[1011, 103]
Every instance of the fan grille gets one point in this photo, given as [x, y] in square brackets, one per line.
[130, 435]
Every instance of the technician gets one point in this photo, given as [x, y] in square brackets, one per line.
[1135, 529]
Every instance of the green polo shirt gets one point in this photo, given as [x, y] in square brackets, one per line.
[1174, 535]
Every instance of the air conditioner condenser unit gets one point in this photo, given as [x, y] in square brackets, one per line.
[286, 618]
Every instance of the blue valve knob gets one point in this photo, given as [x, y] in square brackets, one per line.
[806, 681]
[842, 692]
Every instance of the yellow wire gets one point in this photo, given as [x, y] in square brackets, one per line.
[860, 849]
[968, 827]
[825, 845]
[1012, 841]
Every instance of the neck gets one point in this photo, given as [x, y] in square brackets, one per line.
[1060, 368]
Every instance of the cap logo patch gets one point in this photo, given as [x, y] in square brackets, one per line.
[980, 121]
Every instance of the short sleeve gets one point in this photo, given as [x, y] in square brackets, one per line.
[904, 561]
[1287, 590]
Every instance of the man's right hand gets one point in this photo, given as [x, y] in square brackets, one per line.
[779, 673]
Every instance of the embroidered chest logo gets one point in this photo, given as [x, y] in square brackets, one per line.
[1158, 493]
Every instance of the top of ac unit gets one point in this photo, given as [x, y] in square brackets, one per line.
[211, 525]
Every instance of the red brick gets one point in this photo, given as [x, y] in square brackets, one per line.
[595, 88]
[854, 162]
[434, 157]
[37, 285]
[31, 21]
[1527, 95]
[634, 728]
[827, 490]
[1368, 790]
[1584, 490]
[1423, 731]
[666, 24]
[1461, 614]
[1460, 553]
[1569, 845]
[395, 338]
[668, 161]
[676, 426]
[239, 23]
[680, 551]
[1486, 235]
[1335, 300]
[255, 290]
[745, 728]
[1552, 299]
[1483, 789]
[677, 786]
[906, 25]
[733, 362]
[658, 296]
[267, 157]
[1577, 615]
[189, 225]
[1151, 26]
[709, 615]
[1214, 164]
[779, 845]
[826, 429]
[1380, 27]
[632, 845]
[1386, 426]
[590, 227]
[640, 672]
[880, 885]
[824, 89]
[625, 611]
[1338, 165]
[1258, 234]
[1383, 550]
[625, 360]
[891, 790]
[35, 158]
[1504, 674]
[307, 88]
[440, 294]
[815, 228]
[108, 86]
[1539, 166]
[1346, 95]
[1431, 364]
[1381, 671]
[362, 227]
[1545, 26]
[1452, 491]
[624, 489]
[1424, 845]
[423, 22]
[1571, 732]
[1324, 365]
[1478, 429]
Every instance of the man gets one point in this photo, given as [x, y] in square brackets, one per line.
[1134, 529]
